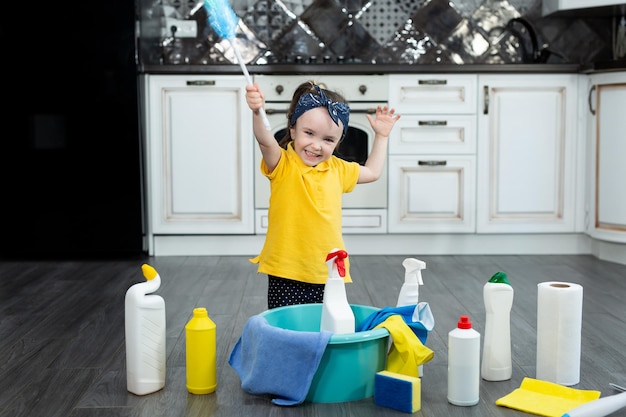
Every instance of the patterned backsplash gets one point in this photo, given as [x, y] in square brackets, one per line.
[376, 31]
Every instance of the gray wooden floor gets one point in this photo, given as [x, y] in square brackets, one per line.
[62, 350]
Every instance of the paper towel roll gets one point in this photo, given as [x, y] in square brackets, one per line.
[559, 325]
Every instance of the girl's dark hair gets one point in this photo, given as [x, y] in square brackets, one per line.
[306, 88]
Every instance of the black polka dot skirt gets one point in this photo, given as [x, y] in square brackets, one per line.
[285, 292]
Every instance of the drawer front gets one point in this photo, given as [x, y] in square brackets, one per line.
[354, 221]
[423, 134]
[433, 93]
[364, 88]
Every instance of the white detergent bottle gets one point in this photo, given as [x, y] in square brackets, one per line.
[145, 335]
[463, 364]
[337, 316]
[409, 293]
[498, 296]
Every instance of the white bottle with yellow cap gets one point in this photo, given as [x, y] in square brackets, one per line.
[145, 335]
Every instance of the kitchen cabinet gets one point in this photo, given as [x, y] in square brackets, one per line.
[432, 154]
[607, 152]
[527, 141]
[199, 156]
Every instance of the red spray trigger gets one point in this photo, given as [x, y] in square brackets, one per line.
[340, 255]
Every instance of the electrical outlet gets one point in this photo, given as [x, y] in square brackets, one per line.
[180, 28]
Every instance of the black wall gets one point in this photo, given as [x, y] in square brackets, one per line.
[70, 153]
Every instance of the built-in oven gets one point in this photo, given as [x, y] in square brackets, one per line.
[365, 208]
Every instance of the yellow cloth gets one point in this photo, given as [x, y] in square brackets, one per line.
[305, 217]
[407, 351]
[546, 398]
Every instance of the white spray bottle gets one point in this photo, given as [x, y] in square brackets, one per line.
[337, 316]
[145, 335]
[409, 293]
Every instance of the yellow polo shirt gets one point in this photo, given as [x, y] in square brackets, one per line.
[305, 217]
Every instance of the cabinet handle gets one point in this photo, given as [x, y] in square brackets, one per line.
[432, 82]
[432, 123]
[591, 90]
[432, 163]
[486, 94]
[201, 82]
[363, 111]
[355, 111]
[275, 111]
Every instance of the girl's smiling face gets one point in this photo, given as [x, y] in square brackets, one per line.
[315, 136]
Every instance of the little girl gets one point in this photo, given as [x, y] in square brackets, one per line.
[307, 182]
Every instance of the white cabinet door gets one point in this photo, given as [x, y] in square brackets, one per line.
[431, 194]
[527, 134]
[607, 121]
[199, 155]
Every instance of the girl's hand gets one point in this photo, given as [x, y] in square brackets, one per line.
[386, 117]
[254, 97]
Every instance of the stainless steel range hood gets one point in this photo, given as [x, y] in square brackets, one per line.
[553, 6]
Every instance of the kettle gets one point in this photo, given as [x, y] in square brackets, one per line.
[526, 34]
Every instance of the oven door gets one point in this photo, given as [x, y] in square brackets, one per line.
[365, 208]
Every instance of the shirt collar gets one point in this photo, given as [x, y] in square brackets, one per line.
[291, 152]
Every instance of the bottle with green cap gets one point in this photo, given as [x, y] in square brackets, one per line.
[498, 296]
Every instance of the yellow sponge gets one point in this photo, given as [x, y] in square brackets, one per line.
[397, 391]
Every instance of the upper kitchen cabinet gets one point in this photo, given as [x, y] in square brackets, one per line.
[527, 141]
[606, 123]
[199, 156]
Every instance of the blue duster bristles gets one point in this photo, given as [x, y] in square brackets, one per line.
[397, 391]
[222, 18]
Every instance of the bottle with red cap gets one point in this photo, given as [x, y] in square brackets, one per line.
[463, 364]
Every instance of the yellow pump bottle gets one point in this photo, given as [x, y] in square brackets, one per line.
[201, 353]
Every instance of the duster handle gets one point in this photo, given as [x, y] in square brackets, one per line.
[249, 81]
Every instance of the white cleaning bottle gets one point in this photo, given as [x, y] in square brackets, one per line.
[498, 296]
[409, 293]
[337, 316]
[463, 364]
[599, 408]
[145, 335]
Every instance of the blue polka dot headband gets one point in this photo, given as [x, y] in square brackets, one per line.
[337, 110]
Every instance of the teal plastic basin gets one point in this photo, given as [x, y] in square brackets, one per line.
[350, 361]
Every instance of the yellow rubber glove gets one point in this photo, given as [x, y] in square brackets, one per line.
[407, 351]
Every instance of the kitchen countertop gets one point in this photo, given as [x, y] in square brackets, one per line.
[604, 66]
[336, 69]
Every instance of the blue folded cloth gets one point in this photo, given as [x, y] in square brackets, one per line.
[280, 362]
[417, 316]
